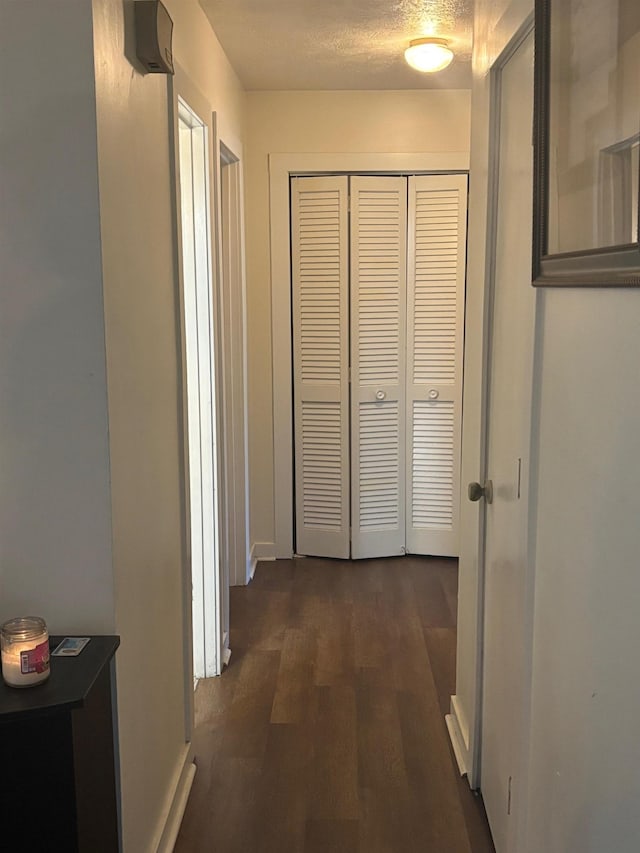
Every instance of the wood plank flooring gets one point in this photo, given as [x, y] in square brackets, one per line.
[326, 733]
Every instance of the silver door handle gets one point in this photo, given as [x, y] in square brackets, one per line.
[476, 491]
[433, 394]
[380, 395]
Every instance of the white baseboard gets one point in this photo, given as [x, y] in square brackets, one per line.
[263, 551]
[456, 742]
[251, 567]
[458, 712]
[458, 729]
[226, 651]
[173, 812]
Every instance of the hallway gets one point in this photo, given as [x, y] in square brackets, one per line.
[326, 734]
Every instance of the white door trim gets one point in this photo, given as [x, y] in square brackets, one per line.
[281, 166]
[181, 86]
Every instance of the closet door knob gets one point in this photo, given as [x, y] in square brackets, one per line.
[434, 394]
[380, 395]
[477, 491]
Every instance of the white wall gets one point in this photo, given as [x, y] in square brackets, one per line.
[140, 324]
[145, 407]
[201, 57]
[317, 122]
[55, 525]
[91, 524]
[583, 779]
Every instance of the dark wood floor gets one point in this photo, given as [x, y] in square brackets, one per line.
[326, 733]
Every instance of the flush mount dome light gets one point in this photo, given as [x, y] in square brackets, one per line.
[428, 54]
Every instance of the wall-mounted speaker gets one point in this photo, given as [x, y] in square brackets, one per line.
[154, 29]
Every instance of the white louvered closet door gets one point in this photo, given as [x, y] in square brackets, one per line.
[319, 221]
[435, 309]
[378, 318]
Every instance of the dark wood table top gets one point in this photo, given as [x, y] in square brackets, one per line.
[66, 688]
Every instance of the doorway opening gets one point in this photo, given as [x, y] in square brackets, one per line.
[282, 167]
[200, 372]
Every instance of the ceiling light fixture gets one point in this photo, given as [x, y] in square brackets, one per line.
[428, 54]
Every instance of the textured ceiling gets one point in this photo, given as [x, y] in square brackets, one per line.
[339, 44]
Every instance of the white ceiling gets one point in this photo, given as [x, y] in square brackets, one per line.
[339, 44]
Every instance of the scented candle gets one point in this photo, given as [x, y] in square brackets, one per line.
[24, 644]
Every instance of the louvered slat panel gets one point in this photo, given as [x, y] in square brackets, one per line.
[379, 267]
[435, 301]
[318, 283]
[322, 497]
[379, 460]
[319, 234]
[432, 467]
[378, 327]
[435, 304]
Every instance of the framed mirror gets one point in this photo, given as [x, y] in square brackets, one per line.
[587, 143]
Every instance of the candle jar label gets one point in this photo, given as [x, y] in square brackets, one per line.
[35, 660]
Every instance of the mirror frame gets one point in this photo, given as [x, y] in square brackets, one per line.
[615, 266]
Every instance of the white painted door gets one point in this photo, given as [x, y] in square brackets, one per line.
[435, 300]
[319, 258]
[382, 285]
[378, 321]
[507, 640]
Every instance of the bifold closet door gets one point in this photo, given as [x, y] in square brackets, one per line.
[435, 323]
[378, 451]
[320, 251]
[378, 340]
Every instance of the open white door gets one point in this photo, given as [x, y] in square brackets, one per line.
[378, 317]
[319, 215]
[507, 593]
[435, 302]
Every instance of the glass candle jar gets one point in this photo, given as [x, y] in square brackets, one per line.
[24, 647]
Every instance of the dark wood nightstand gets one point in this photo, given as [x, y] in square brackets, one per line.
[58, 757]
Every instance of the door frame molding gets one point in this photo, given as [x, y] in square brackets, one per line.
[281, 168]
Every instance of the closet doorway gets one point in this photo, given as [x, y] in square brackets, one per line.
[378, 271]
